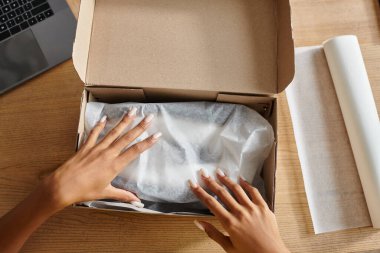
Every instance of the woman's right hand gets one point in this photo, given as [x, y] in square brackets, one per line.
[250, 224]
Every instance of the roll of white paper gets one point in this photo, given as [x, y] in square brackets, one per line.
[360, 115]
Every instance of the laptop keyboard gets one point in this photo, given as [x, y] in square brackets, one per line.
[18, 15]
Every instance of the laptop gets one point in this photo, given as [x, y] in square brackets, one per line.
[35, 35]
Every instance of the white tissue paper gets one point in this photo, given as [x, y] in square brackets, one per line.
[195, 135]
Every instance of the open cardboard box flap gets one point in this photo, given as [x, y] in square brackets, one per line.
[239, 46]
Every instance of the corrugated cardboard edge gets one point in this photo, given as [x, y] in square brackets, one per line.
[80, 132]
[285, 46]
[272, 187]
[81, 46]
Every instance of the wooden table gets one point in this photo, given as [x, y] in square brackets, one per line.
[38, 123]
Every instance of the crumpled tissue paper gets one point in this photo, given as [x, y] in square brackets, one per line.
[195, 135]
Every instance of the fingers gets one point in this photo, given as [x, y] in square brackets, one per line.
[237, 190]
[94, 134]
[135, 150]
[111, 192]
[221, 192]
[132, 134]
[253, 193]
[214, 234]
[215, 207]
[118, 129]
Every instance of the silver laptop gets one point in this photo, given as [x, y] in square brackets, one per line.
[35, 35]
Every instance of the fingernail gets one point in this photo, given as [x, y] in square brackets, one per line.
[103, 119]
[132, 112]
[204, 173]
[199, 225]
[242, 178]
[192, 184]
[137, 204]
[220, 172]
[157, 135]
[149, 118]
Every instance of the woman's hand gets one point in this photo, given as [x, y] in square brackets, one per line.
[250, 224]
[88, 174]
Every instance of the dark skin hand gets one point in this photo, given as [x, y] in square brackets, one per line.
[88, 174]
[250, 224]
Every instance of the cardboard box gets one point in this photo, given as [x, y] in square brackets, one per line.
[235, 51]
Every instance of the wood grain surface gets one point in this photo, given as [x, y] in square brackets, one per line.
[38, 123]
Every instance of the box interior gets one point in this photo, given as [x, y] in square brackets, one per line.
[265, 105]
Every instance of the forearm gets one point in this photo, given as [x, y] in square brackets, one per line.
[19, 223]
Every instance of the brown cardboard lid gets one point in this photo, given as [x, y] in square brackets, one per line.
[240, 46]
